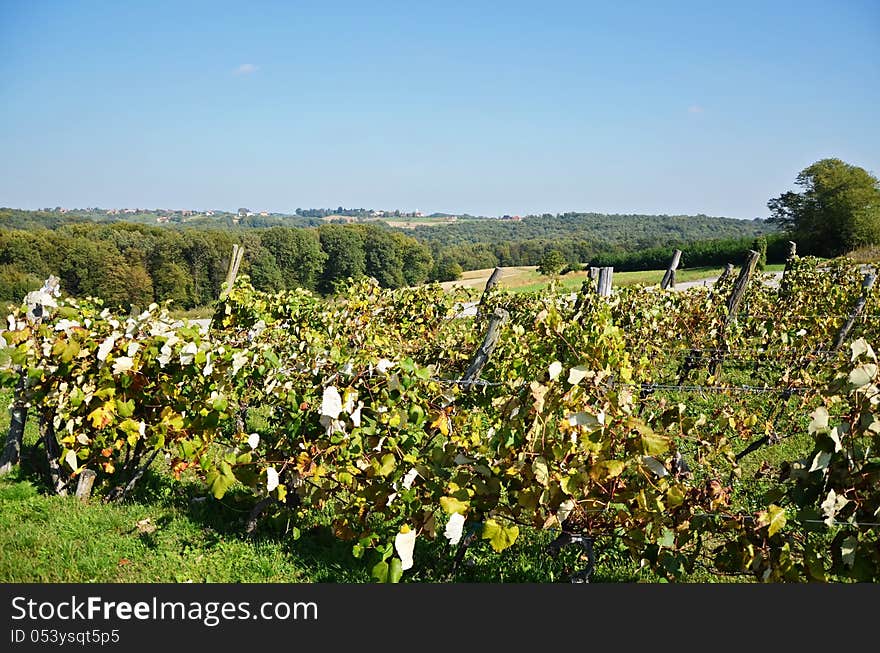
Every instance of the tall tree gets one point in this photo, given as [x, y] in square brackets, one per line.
[297, 253]
[344, 247]
[838, 210]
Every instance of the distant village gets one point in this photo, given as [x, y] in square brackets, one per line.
[340, 214]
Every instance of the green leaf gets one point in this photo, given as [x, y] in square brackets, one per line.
[395, 570]
[387, 465]
[220, 404]
[219, 480]
[500, 537]
[380, 571]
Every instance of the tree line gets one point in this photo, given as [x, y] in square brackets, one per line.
[129, 264]
[579, 237]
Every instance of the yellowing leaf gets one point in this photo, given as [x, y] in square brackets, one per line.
[539, 467]
[773, 518]
[387, 465]
[452, 505]
[442, 423]
[606, 469]
[653, 444]
[674, 497]
[500, 537]
[103, 415]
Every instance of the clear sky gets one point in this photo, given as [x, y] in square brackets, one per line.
[479, 107]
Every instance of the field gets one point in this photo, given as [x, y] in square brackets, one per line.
[705, 436]
[528, 279]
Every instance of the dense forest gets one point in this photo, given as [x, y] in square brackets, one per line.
[135, 264]
[122, 260]
[580, 237]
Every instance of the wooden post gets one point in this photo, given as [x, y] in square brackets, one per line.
[867, 284]
[733, 303]
[56, 474]
[669, 277]
[792, 253]
[17, 418]
[237, 265]
[232, 271]
[481, 356]
[84, 487]
[606, 275]
[493, 280]
[18, 409]
[739, 288]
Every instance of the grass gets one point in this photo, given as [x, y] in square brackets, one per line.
[528, 279]
[172, 533]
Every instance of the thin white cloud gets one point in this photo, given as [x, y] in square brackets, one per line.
[695, 108]
[245, 69]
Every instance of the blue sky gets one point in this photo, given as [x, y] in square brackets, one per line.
[486, 108]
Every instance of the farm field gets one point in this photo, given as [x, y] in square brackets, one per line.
[722, 433]
[528, 279]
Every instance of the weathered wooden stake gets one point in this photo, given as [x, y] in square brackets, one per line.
[739, 288]
[481, 356]
[50, 444]
[17, 418]
[606, 274]
[669, 277]
[493, 280]
[733, 302]
[232, 271]
[593, 276]
[867, 284]
[84, 486]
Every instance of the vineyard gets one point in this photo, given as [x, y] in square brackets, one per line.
[625, 423]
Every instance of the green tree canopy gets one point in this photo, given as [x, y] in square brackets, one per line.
[446, 269]
[552, 262]
[838, 210]
[344, 247]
